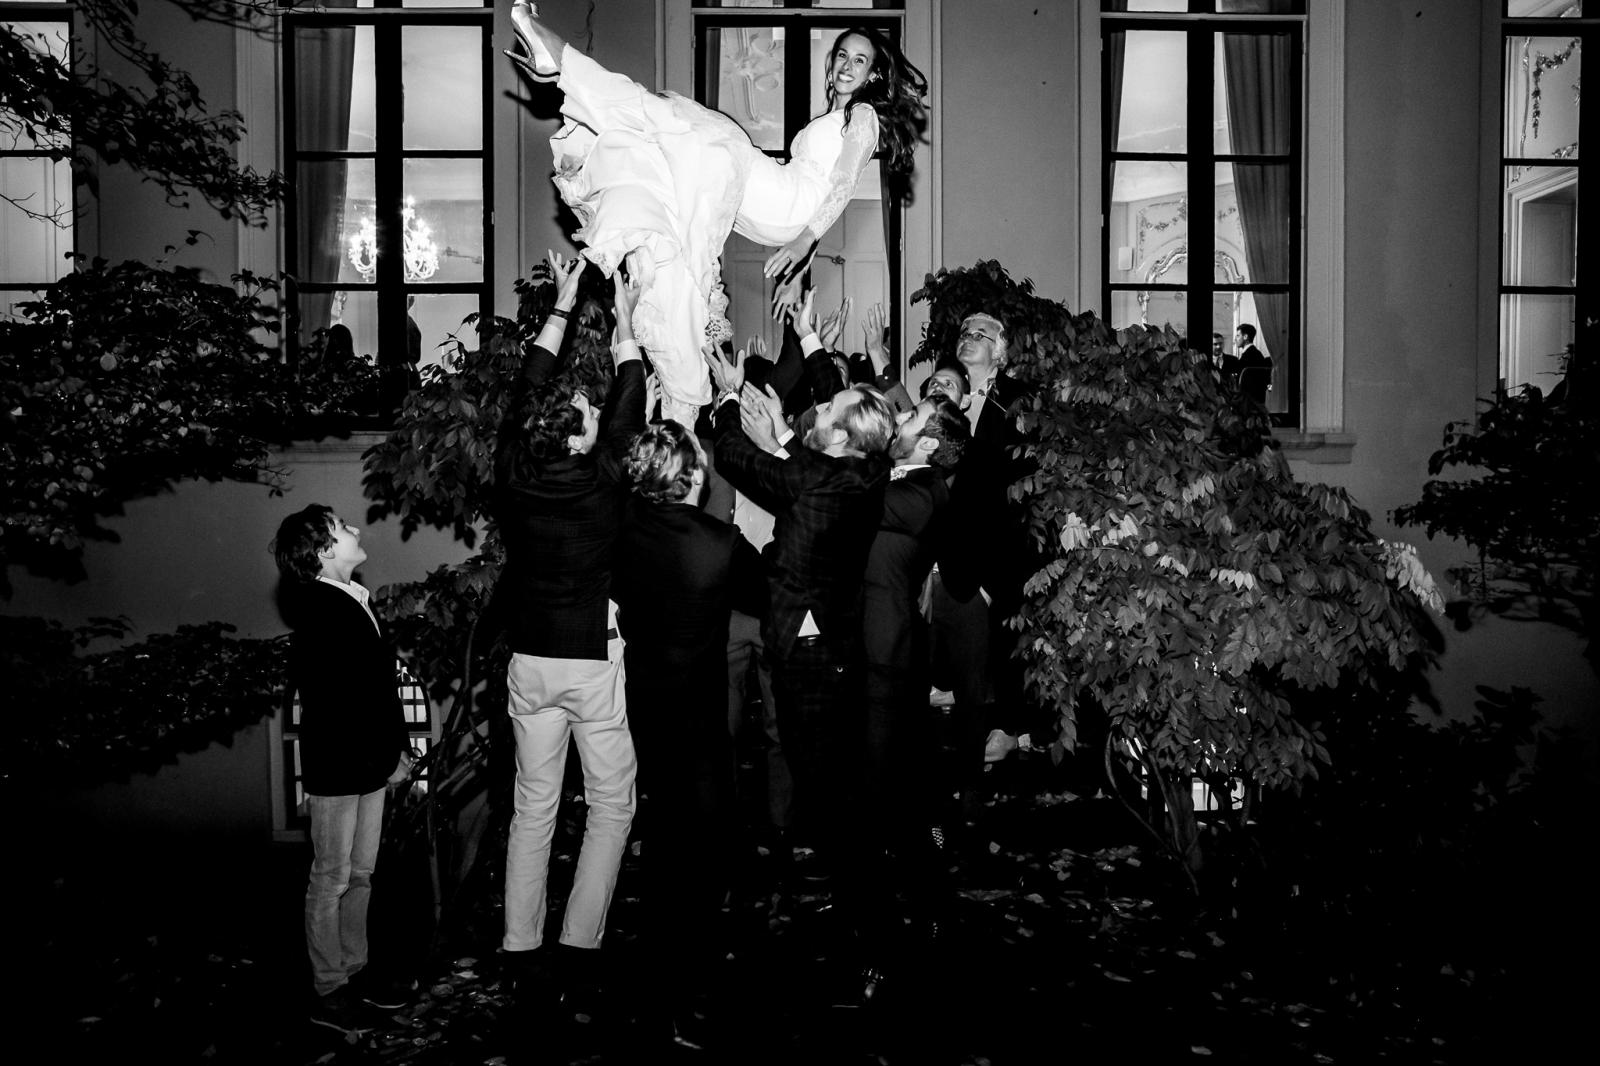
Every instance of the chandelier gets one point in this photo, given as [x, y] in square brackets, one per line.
[420, 253]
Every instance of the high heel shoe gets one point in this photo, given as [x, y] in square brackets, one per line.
[537, 63]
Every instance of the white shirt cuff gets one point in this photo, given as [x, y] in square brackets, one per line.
[783, 441]
[549, 338]
[625, 351]
[810, 343]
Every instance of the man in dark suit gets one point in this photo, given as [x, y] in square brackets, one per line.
[560, 493]
[997, 555]
[826, 496]
[678, 574]
[353, 743]
[902, 799]
[1255, 366]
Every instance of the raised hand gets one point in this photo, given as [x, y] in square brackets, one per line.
[726, 376]
[874, 336]
[791, 257]
[567, 273]
[625, 293]
[832, 327]
[786, 299]
[760, 420]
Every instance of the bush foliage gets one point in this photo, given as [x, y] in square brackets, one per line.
[1188, 584]
[83, 717]
[123, 379]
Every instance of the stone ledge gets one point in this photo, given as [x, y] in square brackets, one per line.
[1316, 447]
[330, 449]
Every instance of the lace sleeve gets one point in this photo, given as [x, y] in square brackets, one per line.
[860, 141]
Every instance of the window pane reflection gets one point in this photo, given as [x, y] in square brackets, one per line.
[1254, 99]
[444, 236]
[335, 210]
[335, 96]
[1255, 207]
[35, 249]
[1541, 105]
[1149, 222]
[745, 79]
[1539, 245]
[441, 68]
[48, 38]
[1535, 333]
[1149, 308]
[1150, 113]
[431, 320]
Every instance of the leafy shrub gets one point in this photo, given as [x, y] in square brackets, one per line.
[124, 379]
[1532, 515]
[1189, 586]
[84, 718]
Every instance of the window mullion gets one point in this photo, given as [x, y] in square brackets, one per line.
[1201, 220]
[388, 181]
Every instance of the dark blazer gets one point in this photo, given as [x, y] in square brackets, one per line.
[677, 573]
[996, 554]
[558, 520]
[1255, 374]
[909, 538]
[826, 513]
[352, 729]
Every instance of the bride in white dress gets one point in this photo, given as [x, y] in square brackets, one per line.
[659, 180]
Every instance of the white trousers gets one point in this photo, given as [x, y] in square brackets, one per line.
[552, 701]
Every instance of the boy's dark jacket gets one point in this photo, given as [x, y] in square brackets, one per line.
[352, 729]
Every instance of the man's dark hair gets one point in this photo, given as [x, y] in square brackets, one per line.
[550, 420]
[947, 425]
[1249, 332]
[300, 537]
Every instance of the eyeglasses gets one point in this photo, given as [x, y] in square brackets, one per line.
[977, 335]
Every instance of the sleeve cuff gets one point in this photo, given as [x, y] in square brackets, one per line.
[783, 441]
[550, 336]
[810, 343]
[625, 351]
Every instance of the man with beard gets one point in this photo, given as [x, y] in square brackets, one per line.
[826, 499]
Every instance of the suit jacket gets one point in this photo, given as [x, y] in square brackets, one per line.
[826, 512]
[910, 536]
[558, 520]
[677, 573]
[352, 729]
[1255, 374]
[995, 553]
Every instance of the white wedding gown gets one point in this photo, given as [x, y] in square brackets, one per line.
[663, 179]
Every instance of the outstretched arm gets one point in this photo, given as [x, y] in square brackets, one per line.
[860, 141]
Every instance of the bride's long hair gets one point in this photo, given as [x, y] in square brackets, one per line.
[896, 94]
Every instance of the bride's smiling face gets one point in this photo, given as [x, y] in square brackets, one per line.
[850, 67]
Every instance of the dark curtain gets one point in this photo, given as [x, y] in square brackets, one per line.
[1257, 69]
[324, 65]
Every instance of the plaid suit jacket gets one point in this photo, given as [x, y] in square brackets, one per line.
[826, 513]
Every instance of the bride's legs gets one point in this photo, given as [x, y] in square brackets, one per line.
[543, 43]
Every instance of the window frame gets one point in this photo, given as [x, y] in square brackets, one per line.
[1586, 272]
[388, 157]
[66, 14]
[1200, 160]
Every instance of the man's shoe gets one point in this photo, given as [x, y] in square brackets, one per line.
[337, 1010]
[383, 993]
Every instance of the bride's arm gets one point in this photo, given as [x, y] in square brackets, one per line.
[860, 141]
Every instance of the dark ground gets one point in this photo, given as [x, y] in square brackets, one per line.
[1071, 943]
